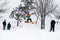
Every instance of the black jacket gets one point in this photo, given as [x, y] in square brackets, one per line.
[8, 26]
[53, 22]
[4, 23]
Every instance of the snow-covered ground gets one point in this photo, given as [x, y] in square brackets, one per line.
[27, 31]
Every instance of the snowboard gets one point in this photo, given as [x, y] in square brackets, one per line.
[30, 22]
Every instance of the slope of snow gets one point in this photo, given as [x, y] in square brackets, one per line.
[28, 35]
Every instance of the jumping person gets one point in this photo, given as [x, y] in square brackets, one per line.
[28, 18]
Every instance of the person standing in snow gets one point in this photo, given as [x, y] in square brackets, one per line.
[8, 26]
[28, 18]
[52, 25]
[4, 24]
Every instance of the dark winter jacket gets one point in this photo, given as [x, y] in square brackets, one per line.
[9, 26]
[4, 23]
[53, 22]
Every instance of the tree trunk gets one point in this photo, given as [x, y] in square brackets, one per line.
[42, 21]
[42, 16]
[37, 20]
[17, 22]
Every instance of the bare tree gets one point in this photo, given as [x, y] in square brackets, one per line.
[2, 5]
[57, 14]
[43, 8]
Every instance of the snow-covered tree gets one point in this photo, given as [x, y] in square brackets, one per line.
[17, 14]
[28, 5]
[20, 11]
[43, 8]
